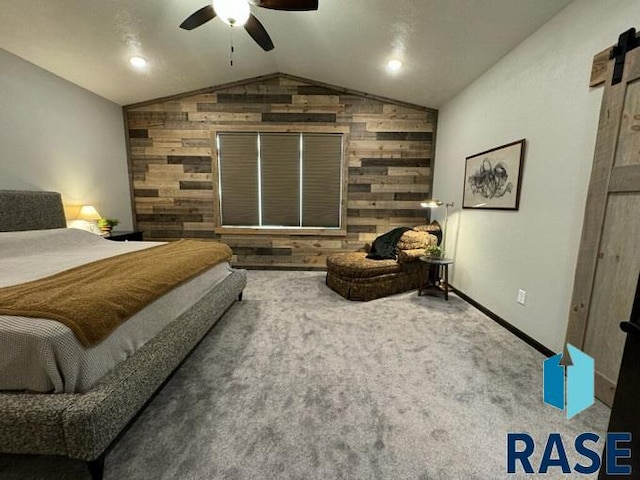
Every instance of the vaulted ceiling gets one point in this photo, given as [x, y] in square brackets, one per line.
[444, 44]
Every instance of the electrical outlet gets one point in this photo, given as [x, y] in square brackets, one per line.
[522, 297]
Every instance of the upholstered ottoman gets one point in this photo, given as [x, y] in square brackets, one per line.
[356, 277]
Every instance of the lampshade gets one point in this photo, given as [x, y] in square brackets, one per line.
[232, 12]
[88, 213]
[431, 203]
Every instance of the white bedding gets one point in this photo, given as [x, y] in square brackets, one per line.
[44, 355]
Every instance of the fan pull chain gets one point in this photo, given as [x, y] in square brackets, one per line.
[231, 45]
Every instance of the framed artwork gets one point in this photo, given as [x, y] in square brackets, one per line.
[492, 179]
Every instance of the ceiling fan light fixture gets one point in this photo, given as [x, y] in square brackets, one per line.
[138, 61]
[394, 65]
[232, 12]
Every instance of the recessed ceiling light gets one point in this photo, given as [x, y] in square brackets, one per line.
[394, 65]
[138, 61]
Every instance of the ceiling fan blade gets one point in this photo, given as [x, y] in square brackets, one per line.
[258, 33]
[198, 18]
[289, 5]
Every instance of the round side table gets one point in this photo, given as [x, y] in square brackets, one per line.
[441, 265]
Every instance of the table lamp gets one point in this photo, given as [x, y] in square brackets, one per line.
[89, 214]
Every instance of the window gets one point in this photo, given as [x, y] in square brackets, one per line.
[280, 180]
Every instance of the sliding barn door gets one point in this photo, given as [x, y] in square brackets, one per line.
[609, 256]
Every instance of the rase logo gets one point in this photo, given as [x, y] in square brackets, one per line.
[578, 394]
[568, 384]
[520, 448]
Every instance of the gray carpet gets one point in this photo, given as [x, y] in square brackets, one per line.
[298, 383]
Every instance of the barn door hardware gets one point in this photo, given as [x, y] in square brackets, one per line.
[627, 41]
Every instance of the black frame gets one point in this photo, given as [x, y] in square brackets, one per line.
[515, 205]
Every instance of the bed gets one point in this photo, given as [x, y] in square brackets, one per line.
[80, 412]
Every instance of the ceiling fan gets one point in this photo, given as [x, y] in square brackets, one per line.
[236, 13]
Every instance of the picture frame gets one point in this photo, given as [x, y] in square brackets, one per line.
[493, 178]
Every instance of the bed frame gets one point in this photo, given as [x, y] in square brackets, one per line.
[85, 426]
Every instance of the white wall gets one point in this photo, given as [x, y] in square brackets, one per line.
[540, 92]
[57, 136]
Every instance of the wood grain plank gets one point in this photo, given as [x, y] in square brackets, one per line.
[387, 180]
[281, 108]
[299, 117]
[165, 168]
[373, 118]
[315, 100]
[410, 188]
[224, 117]
[624, 179]
[406, 171]
[156, 185]
[391, 204]
[195, 151]
[266, 89]
[384, 221]
[399, 126]
[599, 68]
[178, 134]
[199, 226]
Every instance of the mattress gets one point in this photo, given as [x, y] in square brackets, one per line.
[41, 355]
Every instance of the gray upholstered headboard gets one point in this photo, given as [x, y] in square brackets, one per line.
[27, 210]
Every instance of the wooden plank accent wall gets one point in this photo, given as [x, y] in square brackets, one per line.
[389, 154]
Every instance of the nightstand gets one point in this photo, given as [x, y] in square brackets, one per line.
[125, 236]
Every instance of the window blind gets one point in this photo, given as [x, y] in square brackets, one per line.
[280, 177]
[239, 186]
[321, 180]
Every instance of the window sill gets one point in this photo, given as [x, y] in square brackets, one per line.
[318, 232]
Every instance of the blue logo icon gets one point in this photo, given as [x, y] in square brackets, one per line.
[578, 393]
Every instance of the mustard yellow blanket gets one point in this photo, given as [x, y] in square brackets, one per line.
[93, 299]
